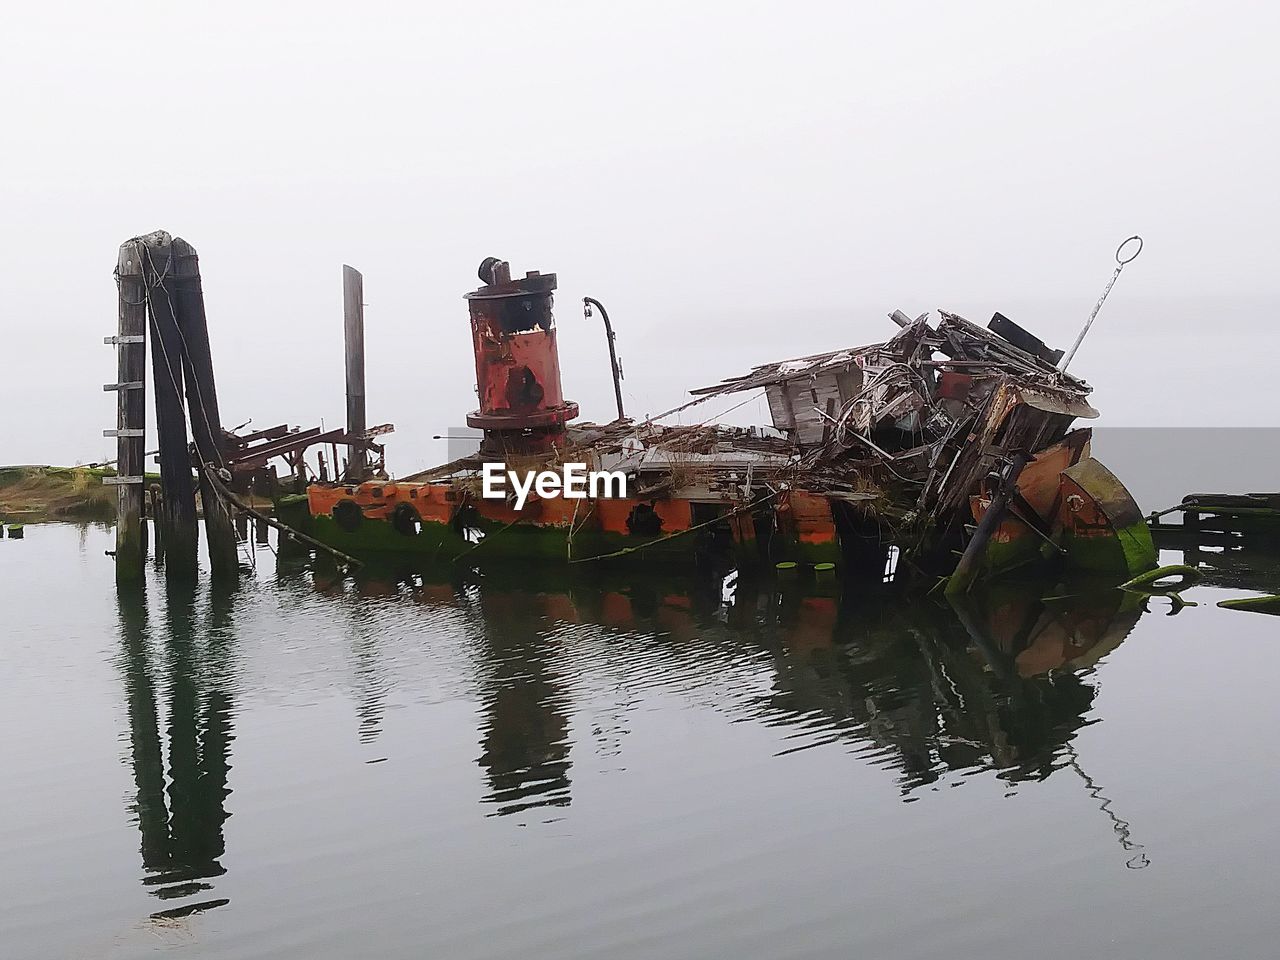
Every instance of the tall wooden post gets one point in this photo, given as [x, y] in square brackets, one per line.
[202, 406]
[131, 412]
[353, 337]
[175, 512]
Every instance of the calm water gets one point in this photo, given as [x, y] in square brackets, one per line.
[408, 766]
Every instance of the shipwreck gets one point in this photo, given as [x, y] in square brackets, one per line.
[947, 451]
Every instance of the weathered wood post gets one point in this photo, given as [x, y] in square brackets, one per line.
[153, 510]
[131, 411]
[175, 512]
[353, 337]
[202, 406]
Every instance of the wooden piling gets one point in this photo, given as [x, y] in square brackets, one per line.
[202, 405]
[131, 411]
[353, 337]
[175, 512]
[153, 510]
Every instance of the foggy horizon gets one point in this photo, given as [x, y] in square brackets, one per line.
[738, 184]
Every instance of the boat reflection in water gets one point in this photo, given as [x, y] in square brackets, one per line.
[526, 733]
[923, 688]
[916, 688]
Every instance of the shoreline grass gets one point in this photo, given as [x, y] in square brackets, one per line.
[34, 493]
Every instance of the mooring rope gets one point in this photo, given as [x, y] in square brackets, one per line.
[224, 493]
[679, 533]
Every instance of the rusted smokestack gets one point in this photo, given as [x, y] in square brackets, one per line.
[517, 362]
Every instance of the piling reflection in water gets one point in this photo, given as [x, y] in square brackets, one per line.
[176, 671]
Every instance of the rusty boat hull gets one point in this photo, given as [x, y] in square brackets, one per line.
[1073, 517]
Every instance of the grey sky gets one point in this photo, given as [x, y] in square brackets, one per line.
[737, 182]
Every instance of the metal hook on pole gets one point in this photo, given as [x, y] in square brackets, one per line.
[1122, 258]
[587, 304]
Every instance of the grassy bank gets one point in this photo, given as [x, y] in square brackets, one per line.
[30, 494]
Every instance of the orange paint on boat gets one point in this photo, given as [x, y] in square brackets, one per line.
[811, 514]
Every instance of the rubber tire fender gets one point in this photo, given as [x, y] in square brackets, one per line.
[348, 515]
[406, 520]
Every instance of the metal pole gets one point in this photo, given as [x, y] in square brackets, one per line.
[1120, 264]
[587, 304]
